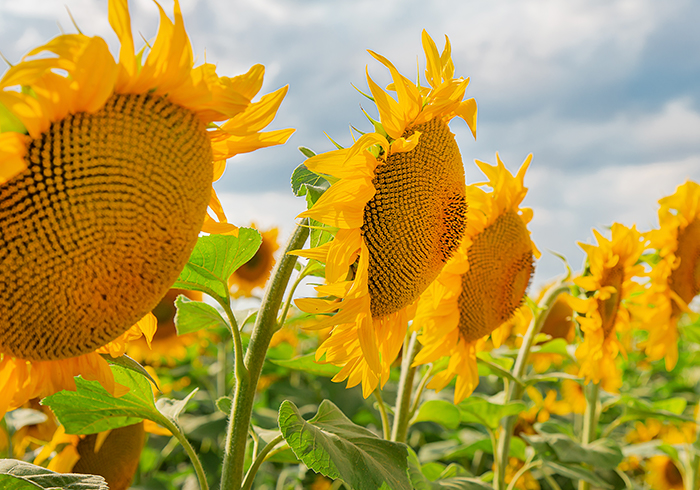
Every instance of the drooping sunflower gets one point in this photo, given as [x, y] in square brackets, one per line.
[106, 171]
[675, 279]
[611, 286]
[663, 474]
[113, 454]
[256, 271]
[397, 202]
[484, 284]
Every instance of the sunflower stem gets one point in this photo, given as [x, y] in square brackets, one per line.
[191, 453]
[419, 391]
[259, 459]
[402, 411]
[240, 370]
[590, 422]
[244, 395]
[382, 412]
[515, 390]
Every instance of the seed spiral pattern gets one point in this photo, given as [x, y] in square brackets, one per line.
[99, 225]
[685, 280]
[416, 219]
[500, 267]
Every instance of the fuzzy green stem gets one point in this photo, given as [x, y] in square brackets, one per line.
[403, 402]
[265, 327]
[419, 391]
[590, 422]
[386, 431]
[515, 390]
[259, 459]
[691, 467]
[191, 453]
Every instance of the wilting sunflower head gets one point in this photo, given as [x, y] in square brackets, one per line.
[113, 454]
[675, 278]
[610, 284]
[106, 175]
[399, 208]
[255, 273]
[484, 285]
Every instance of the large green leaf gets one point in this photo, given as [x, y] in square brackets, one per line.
[439, 411]
[18, 475]
[517, 449]
[309, 365]
[332, 445]
[192, 316]
[215, 258]
[479, 410]
[639, 409]
[91, 409]
[575, 472]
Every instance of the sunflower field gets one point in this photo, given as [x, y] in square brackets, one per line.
[146, 342]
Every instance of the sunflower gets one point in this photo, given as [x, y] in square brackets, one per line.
[105, 179]
[166, 346]
[663, 474]
[605, 312]
[113, 454]
[397, 207]
[483, 286]
[256, 271]
[676, 277]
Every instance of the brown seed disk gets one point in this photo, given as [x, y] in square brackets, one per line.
[685, 280]
[500, 268]
[608, 308]
[416, 219]
[100, 224]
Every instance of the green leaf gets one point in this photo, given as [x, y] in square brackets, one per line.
[172, 408]
[309, 365]
[479, 410]
[577, 473]
[91, 409]
[453, 477]
[332, 445]
[22, 417]
[307, 152]
[439, 411]
[302, 177]
[517, 449]
[130, 364]
[224, 404]
[192, 316]
[18, 475]
[556, 346]
[639, 409]
[600, 454]
[674, 405]
[215, 258]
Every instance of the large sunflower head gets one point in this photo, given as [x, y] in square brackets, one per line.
[675, 279]
[398, 205]
[255, 273]
[610, 285]
[483, 286]
[106, 175]
[663, 474]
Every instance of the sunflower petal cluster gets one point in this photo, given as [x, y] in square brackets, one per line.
[397, 207]
[610, 284]
[675, 279]
[106, 172]
[480, 291]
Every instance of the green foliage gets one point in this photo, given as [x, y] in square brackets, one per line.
[18, 475]
[214, 259]
[476, 409]
[452, 477]
[195, 315]
[332, 445]
[439, 411]
[309, 365]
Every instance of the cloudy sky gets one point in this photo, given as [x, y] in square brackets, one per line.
[604, 93]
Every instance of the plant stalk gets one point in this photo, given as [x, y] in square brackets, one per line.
[590, 422]
[403, 402]
[515, 390]
[265, 327]
[191, 453]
